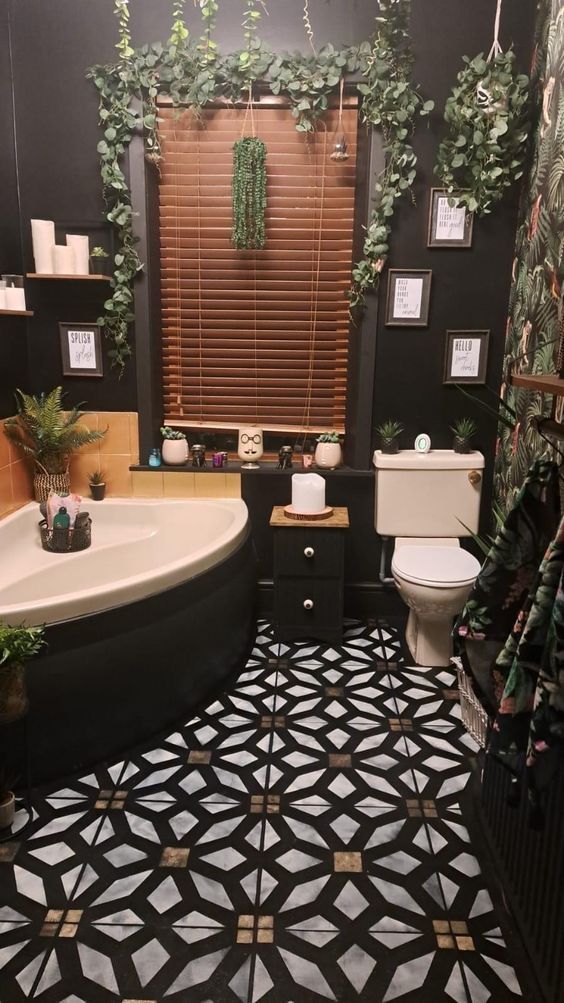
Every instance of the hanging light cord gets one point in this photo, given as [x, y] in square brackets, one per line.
[308, 27]
[496, 47]
[200, 311]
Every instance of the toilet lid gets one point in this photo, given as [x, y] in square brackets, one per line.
[438, 566]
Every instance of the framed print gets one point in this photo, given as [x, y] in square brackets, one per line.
[449, 226]
[81, 349]
[409, 291]
[466, 356]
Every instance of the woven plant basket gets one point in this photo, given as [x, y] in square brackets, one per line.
[13, 696]
[44, 483]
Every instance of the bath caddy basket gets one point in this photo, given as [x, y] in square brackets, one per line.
[65, 541]
[475, 718]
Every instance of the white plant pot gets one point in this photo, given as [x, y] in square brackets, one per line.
[7, 811]
[175, 451]
[328, 455]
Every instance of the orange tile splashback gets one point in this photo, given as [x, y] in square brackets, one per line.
[113, 454]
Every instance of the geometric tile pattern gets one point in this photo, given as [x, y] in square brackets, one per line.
[302, 838]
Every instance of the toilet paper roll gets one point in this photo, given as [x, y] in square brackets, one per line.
[79, 244]
[43, 237]
[63, 260]
[15, 298]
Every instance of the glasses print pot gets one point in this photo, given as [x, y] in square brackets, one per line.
[175, 451]
[328, 455]
[251, 446]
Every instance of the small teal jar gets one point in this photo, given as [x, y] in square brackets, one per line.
[155, 458]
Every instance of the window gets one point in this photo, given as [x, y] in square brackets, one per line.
[256, 336]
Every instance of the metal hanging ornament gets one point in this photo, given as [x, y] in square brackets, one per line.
[340, 145]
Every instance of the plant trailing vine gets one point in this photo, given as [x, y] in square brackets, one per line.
[192, 72]
[249, 193]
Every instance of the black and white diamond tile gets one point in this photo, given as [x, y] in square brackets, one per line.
[302, 838]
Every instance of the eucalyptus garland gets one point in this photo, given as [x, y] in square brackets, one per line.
[193, 72]
[249, 193]
[485, 147]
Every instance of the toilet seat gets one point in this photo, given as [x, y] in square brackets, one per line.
[435, 567]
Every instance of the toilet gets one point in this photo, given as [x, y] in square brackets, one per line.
[425, 501]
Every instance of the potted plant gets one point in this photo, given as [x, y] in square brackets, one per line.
[98, 261]
[97, 483]
[48, 435]
[175, 446]
[389, 432]
[328, 451]
[464, 429]
[17, 645]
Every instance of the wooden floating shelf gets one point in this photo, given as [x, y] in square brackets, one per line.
[16, 313]
[547, 383]
[75, 278]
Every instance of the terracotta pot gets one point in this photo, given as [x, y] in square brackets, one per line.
[97, 491]
[13, 696]
[328, 455]
[7, 810]
[175, 451]
[44, 483]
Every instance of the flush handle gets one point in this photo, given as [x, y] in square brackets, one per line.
[474, 477]
[308, 604]
[309, 552]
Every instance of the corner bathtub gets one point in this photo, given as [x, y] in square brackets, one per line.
[140, 627]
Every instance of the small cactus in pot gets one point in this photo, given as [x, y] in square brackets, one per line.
[97, 482]
[328, 452]
[175, 446]
[389, 432]
[464, 430]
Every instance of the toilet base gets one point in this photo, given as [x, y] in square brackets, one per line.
[429, 641]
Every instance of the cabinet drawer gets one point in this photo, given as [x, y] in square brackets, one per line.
[292, 603]
[308, 551]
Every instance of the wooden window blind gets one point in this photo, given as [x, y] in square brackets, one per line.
[255, 337]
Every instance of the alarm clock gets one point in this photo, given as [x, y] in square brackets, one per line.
[422, 443]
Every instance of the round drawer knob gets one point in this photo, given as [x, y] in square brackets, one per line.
[308, 604]
[309, 552]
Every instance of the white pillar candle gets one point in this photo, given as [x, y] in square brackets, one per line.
[3, 298]
[14, 298]
[79, 244]
[308, 493]
[63, 260]
[43, 237]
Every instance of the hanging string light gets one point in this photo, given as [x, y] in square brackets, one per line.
[340, 145]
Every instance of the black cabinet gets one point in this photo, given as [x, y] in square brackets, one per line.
[309, 576]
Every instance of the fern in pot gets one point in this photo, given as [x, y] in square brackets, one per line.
[48, 436]
[464, 430]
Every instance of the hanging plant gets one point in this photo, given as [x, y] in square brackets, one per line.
[393, 103]
[487, 116]
[308, 82]
[249, 193]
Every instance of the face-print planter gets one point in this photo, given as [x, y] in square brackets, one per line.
[251, 446]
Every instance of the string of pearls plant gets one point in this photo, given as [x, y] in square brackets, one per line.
[193, 72]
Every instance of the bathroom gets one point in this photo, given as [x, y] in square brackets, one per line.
[226, 787]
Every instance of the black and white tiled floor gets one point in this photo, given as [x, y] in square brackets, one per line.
[302, 839]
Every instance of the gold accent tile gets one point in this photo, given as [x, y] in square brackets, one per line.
[445, 941]
[268, 720]
[49, 930]
[209, 485]
[232, 485]
[265, 937]
[451, 694]
[54, 915]
[147, 484]
[458, 926]
[265, 922]
[174, 856]
[68, 930]
[246, 922]
[245, 936]
[8, 852]
[349, 861]
[465, 944]
[334, 691]
[342, 760]
[179, 485]
[73, 915]
[202, 756]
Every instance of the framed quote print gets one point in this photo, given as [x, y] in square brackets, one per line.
[409, 292]
[449, 225]
[81, 349]
[466, 356]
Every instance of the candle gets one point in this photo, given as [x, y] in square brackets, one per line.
[14, 298]
[63, 260]
[43, 237]
[79, 244]
[308, 493]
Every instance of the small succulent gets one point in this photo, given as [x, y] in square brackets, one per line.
[171, 433]
[328, 437]
[97, 477]
[98, 252]
[464, 428]
[389, 429]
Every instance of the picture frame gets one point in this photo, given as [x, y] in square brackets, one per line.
[466, 356]
[409, 294]
[81, 349]
[449, 226]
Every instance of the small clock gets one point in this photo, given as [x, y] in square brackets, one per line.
[422, 443]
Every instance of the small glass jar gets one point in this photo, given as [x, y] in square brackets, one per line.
[155, 458]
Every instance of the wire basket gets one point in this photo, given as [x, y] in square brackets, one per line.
[65, 541]
[475, 718]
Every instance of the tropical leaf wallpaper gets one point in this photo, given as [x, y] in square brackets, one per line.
[535, 307]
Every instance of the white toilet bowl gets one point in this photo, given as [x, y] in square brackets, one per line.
[434, 578]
